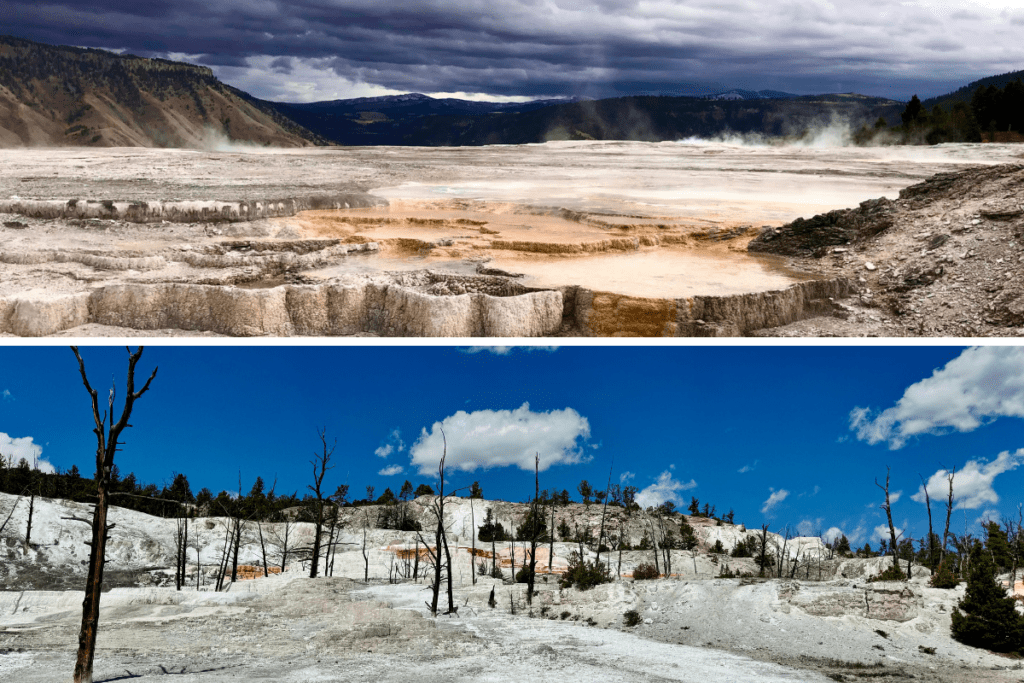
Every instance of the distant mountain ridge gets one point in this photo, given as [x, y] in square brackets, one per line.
[60, 95]
[416, 121]
[739, 94]
[965, 93]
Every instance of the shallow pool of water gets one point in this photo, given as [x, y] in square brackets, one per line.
[665, 273]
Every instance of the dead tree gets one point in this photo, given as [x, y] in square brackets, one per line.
[28, 528]
[654, 542]
[180, 550]
[237, 540]
[281, 537]
[762, 559]
[535, 532]
[604, 511]
[225, 553]
[366, 557]
[440, 541]
[108, 434]
[9, 515]
[320, 466]
[783, 556]
[949, 513]
[199, 560]
[472, 521]
[1013, 535]
[888, 514]
[551, 537]
[931, 535]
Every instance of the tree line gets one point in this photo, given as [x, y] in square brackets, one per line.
[991, 110]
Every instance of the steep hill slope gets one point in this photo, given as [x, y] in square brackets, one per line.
[965, 93]
[59, 95]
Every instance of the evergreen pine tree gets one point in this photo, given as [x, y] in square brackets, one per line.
[986, 618]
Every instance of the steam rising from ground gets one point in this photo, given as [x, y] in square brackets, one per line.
[215, 140]
[837, 132]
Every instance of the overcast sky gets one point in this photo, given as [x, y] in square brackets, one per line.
[785, 435]
[308, 50]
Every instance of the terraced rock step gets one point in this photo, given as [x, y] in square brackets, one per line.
[183, 211]
[417, 305]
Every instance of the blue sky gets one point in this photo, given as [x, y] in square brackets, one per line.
[789, 435]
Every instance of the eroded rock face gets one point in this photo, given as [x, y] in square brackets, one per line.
[603, 314]
[870, 601]
[182, 212]
[314, 310]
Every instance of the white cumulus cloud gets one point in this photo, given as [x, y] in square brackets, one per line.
[773, 500]
[972, 484]
[626, 477]
[807, 527]
[393, 444]
[664, 489]
[505, 350]
[391, 470]
[833, 534]
[980, 385]
[882, 532]
[15, 449]
[499, 438]
[6, 395]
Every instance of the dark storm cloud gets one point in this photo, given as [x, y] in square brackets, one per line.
[293, 49]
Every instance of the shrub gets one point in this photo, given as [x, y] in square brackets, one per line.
[986, 618]
[645, 571]
[523, 575]
[718, 547]
[632, 618]
[565, 615]
[890, 574]
[944, 577]
[584, 575]
[743, 548]
[496, 572]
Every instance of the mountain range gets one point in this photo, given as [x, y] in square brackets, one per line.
[68, 96]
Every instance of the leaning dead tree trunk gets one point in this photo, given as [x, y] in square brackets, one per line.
[9, 515]
[107, 435]
[888, 515]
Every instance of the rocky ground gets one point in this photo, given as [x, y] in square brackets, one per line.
[944, 259]
[333, 629]
[826, 623]
[626, 239]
